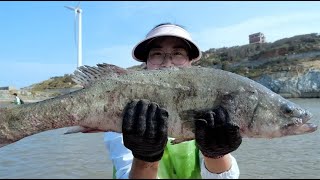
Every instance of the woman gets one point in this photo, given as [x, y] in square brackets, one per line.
[143, 150]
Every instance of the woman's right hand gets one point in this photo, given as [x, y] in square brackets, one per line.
[144, 129]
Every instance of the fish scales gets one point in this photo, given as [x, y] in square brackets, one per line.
[183, 92]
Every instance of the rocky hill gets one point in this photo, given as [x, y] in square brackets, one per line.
[289, 66]
[253, 60]
[52, 87]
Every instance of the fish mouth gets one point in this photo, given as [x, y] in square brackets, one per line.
[2, 144]
[298, 126]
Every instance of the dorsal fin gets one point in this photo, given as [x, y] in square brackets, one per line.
[86, 75]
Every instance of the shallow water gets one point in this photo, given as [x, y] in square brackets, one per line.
[51, 154]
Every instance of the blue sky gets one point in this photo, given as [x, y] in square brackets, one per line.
[37, 39]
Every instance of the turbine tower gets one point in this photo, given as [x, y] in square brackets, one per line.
[78, 12]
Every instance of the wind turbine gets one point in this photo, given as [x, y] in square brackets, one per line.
[77, 12]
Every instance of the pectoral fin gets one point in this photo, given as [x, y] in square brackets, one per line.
[78, 129]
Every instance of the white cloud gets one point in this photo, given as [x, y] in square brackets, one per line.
[274, 27]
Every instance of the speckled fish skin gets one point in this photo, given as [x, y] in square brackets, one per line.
[184, 92]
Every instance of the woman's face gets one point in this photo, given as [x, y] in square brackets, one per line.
[158, 55]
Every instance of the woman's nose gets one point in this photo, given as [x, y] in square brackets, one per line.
[167, 62]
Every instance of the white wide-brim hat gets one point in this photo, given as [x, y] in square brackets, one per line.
[141, 50]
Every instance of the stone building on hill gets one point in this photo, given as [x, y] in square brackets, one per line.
[257, 38]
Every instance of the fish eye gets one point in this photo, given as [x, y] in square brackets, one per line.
[287, 109]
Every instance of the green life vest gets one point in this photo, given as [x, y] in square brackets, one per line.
[179, 161]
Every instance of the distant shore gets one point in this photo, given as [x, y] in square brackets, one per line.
[6, 103]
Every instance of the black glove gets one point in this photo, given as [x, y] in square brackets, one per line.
[215, 135]
[144, 129]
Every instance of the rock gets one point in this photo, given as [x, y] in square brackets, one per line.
[293, 85]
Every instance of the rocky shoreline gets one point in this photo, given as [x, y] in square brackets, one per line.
[28, 96]
[293, 84]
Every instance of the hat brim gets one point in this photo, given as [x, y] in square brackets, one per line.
[141, 50]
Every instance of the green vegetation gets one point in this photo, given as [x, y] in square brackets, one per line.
[252, 52]
[253, 60]
[55, 83]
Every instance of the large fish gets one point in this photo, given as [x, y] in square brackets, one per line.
[184, 92]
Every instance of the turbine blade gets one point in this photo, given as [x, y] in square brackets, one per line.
[71, 8]
[78, 4]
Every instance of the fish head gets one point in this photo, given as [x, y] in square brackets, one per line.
[269, 115]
